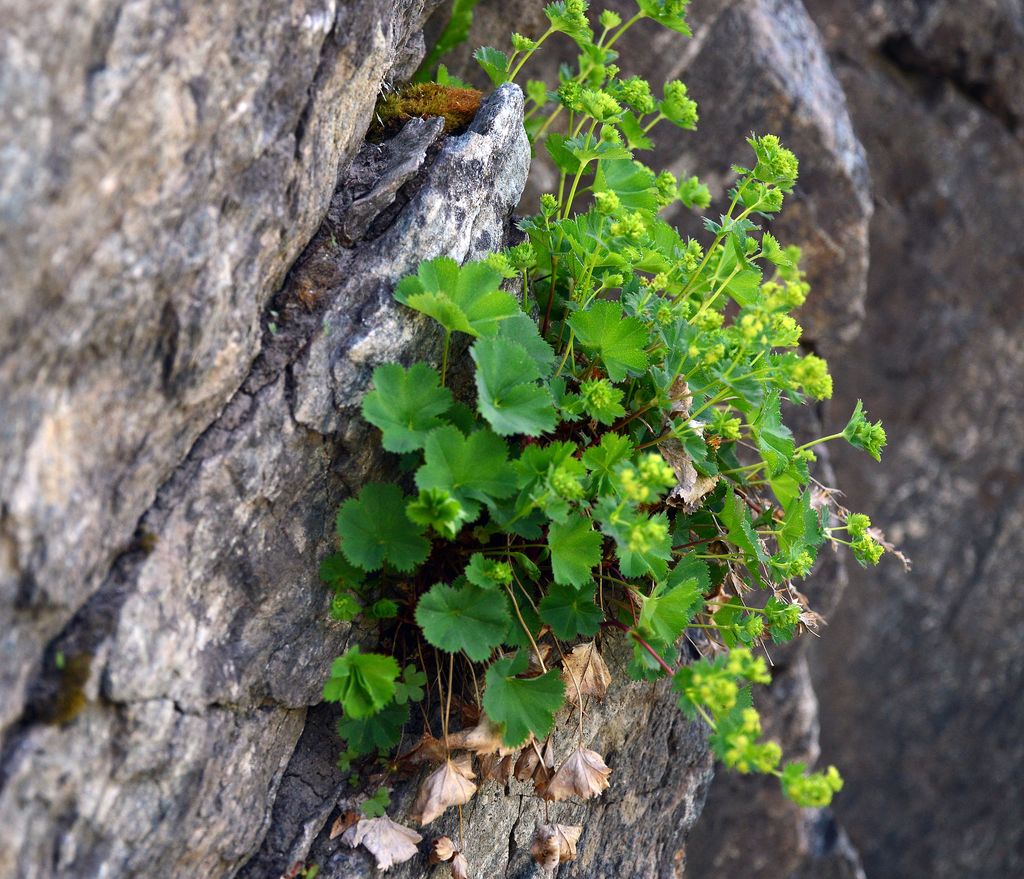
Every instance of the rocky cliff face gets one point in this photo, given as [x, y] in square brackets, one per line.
[163, 506]
[198, 253]
[920, 676]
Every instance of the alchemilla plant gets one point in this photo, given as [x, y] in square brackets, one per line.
[622, 471]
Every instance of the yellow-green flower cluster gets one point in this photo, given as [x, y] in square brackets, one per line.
[744, 753]
[677, 106]
[668, 188]
[811, 374]
[646, 535]
[775, 164]
[607, 202]
[724, 426]
[565, 482]
[648, 480]
[785, 332]
[600, 105]
[630, 225]
[811, 791]
[636, 92]
[785, 296]
[522, 44]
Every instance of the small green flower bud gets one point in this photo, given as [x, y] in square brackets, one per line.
[522, 44]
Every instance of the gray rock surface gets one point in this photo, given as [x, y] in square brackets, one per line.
[163, 166]
[171, 670]
[921, 675]
[661, 770]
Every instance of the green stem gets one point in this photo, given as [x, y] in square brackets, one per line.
[514, 73]
[576, 180]
[444, 356]
[526, 628]
[568, 350]
[818, 442]
[654, 122]
[640, 15]
[707, 717]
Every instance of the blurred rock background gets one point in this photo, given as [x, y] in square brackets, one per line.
[178, 373]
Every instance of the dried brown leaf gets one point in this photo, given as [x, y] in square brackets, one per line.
[544, 770]
[585, 669]
[496, 768]
[504, 772]
[534, 667]
[681, 398]
[584, 774]
[554, 844]
[445, 786]
[484, 738]
[527, 763]
[463, 764]
[691, 487]
[343, 822]
[460, 867]
[568, 836]
[426, 750]
[547, 755]
[442, 849]
[489, 766]
[545, 847]
[388, 841]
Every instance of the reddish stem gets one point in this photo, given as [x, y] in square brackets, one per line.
[623, 627]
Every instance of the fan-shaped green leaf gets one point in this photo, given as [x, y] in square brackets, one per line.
[375, 529]
[405, 405]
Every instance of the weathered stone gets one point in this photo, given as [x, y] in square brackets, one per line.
[661, 769]
[163, 166]
[204, 645]
[921, 673]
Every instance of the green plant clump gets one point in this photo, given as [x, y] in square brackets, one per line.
[624, 469]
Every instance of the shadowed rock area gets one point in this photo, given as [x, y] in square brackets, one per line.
[920, 676]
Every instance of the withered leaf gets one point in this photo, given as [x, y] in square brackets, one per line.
[426, 750]
[496, 768]
[691, 486]
[388, 841]
[527, 762]
[446, 786]
[584, 774]
[460, 867]
[343, 822]
[547, 755]
[463, 764]
[488, 766]
[681, 397]
[534, 667]
[503, 774]
[554, 844]
[544, 770]
[585, 673]
[484, 738]
[442, 849]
